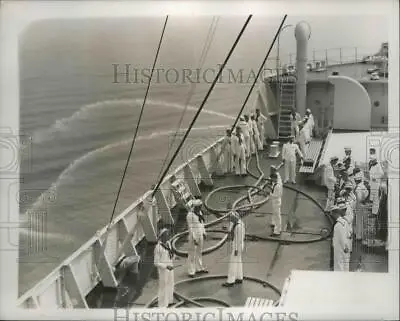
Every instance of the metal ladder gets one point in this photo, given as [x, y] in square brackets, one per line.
[287, 102]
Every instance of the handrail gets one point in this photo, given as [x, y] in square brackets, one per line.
[338, 56]
[55, 274]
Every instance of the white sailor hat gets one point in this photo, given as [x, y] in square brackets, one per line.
[308, 110]
[340, 200]
[341, 206]
[348, 186]
[197, 202]
[241, 118]
[163, 231]
[358, 176]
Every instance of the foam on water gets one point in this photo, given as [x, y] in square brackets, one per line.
[64, 124]
[49, 195]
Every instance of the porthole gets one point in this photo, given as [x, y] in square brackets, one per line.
[376, 103]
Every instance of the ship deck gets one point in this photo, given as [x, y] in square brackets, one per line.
[267, 262]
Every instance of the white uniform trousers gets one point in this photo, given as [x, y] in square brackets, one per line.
[276, 216]
[195, 262]
[290, 171]
[235, 270]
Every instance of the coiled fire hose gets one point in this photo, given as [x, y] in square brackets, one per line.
[223, 215]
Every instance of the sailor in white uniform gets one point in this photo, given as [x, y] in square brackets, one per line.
[294, 125]
[296, 116]
[330, 182]
[375, 178]
[256, 133]
[348, 159]
[245, 130]
[234, 143]
[349, 196]
[240, 155]
[304, 138]
[289, 151]
[251, 132]
[236, 238]
[361, 193]
[349, 214]
[276, 202]
[260, 119]
[195, 221]
[150, 204]
[228, 153]
[163, 260]
[308, 129]
[341, 240]
[310, 122]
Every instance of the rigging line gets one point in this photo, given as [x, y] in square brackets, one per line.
[259, 71]
[139, 120]
[202, 104]
[252, 86]
[207, 46]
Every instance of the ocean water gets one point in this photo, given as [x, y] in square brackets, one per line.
[81, 123]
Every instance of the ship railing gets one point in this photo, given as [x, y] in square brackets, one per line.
[330, 56]
[68, 285]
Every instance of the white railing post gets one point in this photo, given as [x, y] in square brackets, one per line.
[103, 265]
[204, 172]
[163, 206]
[73, 289]
[190, 180]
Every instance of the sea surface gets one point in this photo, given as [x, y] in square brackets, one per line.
[81, 120]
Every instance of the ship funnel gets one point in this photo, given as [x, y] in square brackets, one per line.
[302, 34]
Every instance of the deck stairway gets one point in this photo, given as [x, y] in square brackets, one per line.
[314, 153]
[287, 102]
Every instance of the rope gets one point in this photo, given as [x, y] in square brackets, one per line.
[259, 71]
[206, 48]
[104, 245]
[202, 104]
[245, 210]
[139, 120]
[252, 86]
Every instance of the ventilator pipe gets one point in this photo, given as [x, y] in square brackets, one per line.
[212, 277]
[302, 33]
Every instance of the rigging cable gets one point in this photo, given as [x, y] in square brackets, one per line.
[207, 45]
[104, 245]
[139, 120]
[259, 71]
[202, 104]
[252, 86]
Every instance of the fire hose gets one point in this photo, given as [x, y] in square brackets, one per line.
[222, 215]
